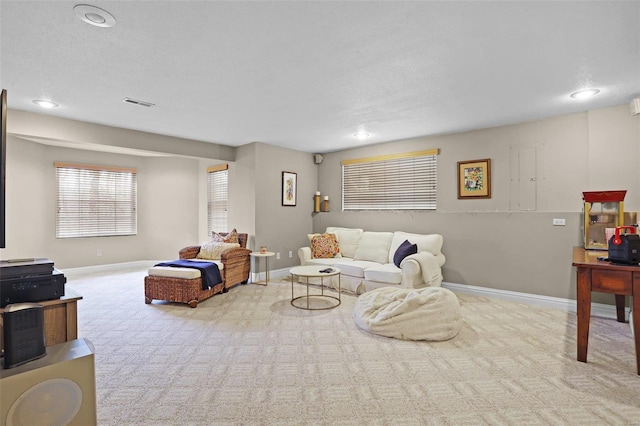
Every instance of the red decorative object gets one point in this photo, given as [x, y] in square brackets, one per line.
[604, 196]
[617, 240]
[602, 210]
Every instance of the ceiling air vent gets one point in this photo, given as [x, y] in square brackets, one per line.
[136, 102]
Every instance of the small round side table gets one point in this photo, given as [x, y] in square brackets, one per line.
[266, 255]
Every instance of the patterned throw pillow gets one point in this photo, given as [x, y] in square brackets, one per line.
[324, 246]
[232, 237]
[310, 236]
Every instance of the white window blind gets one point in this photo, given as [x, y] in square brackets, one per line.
[392, 182]
[95, 201]
[217, 198]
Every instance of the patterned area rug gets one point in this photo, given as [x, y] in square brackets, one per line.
[248, 357]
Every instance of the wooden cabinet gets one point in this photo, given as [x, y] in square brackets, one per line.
[60, 319]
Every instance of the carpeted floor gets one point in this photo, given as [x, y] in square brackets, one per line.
[249, 358]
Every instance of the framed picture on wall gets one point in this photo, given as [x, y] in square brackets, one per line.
[474, 179]
[289, 188]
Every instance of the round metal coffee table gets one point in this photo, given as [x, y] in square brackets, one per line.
[314, 272]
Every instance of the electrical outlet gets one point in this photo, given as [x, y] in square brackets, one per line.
[290, 253]
[278, 255]
[99, 252]
[558, 222]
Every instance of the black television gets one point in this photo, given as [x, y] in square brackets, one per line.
[3, 164]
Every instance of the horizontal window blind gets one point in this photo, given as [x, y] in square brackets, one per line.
[217, 198]
[95, 201]
[398, 182]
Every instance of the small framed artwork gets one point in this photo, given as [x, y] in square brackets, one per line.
[289, 188]
[474, 179]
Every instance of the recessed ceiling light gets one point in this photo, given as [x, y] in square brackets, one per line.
[584, 94]
[45, 103]
[94, 16]
[361, 135]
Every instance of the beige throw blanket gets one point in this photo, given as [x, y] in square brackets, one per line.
[429, 266]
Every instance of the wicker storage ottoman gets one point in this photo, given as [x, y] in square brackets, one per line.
[180, 290]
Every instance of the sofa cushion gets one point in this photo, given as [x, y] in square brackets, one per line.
[374, 246]
[186, 273]
[389, 274]
[425, 242]
[405, 249]
[324, 246]
[348, 239]
[213, 249]
[327, 261]
[355, 268]
[170, 271]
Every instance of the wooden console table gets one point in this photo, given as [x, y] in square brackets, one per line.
[605, 277]
[60, 319]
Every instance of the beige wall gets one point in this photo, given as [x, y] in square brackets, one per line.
[172, 193]
[242, 192]
[167, 200]
[240, 211]
[487, 242]
[255, 202]
[283, 229]
[490, 242]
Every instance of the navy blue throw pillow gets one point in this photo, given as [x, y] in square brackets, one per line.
[405, 249]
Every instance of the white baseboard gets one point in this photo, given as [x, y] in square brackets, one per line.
[275, 274]
[597, 309]
[110, 267]
[569, 305]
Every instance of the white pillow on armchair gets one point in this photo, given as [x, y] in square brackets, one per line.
[212, 250]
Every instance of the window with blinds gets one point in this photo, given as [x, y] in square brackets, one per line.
[217, 198]
[391, 182]
[95, 201]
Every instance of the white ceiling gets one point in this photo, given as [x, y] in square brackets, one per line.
[308, 75]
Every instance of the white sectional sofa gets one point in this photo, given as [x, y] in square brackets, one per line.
[366, 259]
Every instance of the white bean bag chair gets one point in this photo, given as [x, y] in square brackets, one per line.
[431, 313]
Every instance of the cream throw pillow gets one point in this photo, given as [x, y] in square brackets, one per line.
[348, 239]
[212, 250]
[374, 247]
